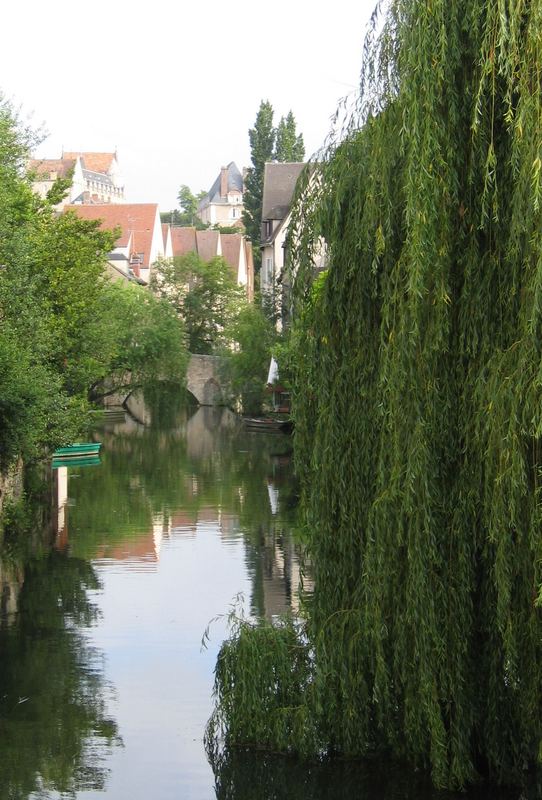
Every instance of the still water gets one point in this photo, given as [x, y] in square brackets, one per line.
[104, 685]
[105, 688]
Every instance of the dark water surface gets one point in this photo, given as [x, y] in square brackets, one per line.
[104, 686]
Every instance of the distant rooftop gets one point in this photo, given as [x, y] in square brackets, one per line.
[234, 183]
[279, 183]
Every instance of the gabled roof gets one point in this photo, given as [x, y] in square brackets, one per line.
[279, 181]
[231, 249]
[43, 167]
[95, 162]
[235, 183]
[183, 241]
[208, 244]
[134, 219]
[165, 233]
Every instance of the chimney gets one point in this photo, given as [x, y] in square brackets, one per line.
[223, 181]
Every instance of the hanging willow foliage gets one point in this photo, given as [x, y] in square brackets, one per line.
[418, 397]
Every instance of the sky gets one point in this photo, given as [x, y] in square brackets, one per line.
[174, 86]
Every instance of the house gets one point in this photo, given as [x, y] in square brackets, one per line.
[237, 252]
[166, 236]
[233, 247]
[279, 184]
[95, 177]
[141, 239]
[223, 203]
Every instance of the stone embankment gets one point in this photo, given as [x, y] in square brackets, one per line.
[11, 483]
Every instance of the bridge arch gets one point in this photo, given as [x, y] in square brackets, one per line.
[204, 380]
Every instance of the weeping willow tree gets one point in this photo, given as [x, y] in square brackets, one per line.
[418, 406]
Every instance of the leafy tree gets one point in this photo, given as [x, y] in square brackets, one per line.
[188, 203]
[55, 342]
[247, 361]
[204, 294]
[418, 413]
[171, 217]
[289, 145]
[262, 142]
[68, 259]
[187, 216]
[145, 339]
[49, 268]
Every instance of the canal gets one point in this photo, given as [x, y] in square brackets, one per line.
[105, 688]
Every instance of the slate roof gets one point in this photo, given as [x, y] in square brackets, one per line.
[98, 177]
[235, 182]
[279, 183]
[137, 219]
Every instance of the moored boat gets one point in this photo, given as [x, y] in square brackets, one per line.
[268, 424]
[78, 449]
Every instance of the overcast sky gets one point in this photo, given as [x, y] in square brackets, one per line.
[175, 88]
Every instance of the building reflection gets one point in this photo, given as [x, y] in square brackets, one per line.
[204, 474]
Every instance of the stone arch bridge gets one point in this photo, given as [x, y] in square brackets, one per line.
[204, 381]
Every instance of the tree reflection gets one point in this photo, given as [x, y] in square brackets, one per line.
[242, 774]
[54, 731]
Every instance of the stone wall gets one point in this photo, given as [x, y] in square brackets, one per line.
[11, 483]
[203, 380]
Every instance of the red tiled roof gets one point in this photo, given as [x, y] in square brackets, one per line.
[133, 218]
[183, 241]
[44, 166]
[207, 244]
[165, 229]
[231, 250]
[95, 162]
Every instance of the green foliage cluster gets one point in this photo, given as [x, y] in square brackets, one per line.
[63, 328]
[251, 337]
[267, 143]
[204, 294]
[261, 679]
[417, 398]
[289, 145]
[145, 338]
[188, 203]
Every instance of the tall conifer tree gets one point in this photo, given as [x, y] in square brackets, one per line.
[262, 142]
[289, 145]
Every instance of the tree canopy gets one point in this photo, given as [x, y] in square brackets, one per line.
[204, 294]
[417, 364]
[289, 145]
[56, 337]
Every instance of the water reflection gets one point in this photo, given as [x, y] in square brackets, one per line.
[100, 634]
[156, 483]
[54, 732]
[101, 631]
[247, 775]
